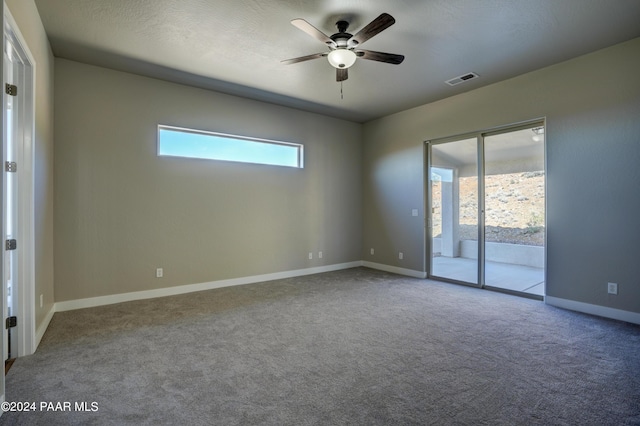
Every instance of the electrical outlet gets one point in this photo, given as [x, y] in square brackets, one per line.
[414, 212]
[319, 255]
[372, 252]
[159, 273]
[612, 288]
[400, 255]
[310, 255]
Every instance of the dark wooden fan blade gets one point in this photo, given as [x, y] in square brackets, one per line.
[312, 31]
[376, 26]
[342, 74]
[303, 58]
[389, 58]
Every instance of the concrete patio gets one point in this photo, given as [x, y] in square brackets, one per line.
[526, 279]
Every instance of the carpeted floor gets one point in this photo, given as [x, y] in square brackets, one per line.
[353, 347]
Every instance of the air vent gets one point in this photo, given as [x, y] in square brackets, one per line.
[462, 78]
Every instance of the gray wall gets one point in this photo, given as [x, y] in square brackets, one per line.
[28, 21]
[592, 107]
[121, 211]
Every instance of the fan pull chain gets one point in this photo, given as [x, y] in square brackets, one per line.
[341, 94]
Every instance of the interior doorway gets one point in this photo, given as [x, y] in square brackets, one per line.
[486, 205]
[18, 301]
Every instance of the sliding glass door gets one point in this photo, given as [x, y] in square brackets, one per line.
[486, 196]
[514, 182]
[454, 210]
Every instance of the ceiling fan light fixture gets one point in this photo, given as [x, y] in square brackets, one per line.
[342, 58]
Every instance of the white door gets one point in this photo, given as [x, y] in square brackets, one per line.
[13, 76]
[18, 214]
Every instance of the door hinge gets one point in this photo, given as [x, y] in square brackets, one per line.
[11, 89]
[10, 166]
[11, 322]
[10, 245]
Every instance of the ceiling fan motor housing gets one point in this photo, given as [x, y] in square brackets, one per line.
[341, 38]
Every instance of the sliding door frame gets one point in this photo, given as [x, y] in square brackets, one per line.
[480, 138]
[429, 210]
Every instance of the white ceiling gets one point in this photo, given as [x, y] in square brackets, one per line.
[235, 46]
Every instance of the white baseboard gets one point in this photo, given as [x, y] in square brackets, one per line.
[91, 302]
[43, 327]
[587, 308]
[395, 270]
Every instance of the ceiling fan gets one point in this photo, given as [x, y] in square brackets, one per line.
[344, 47]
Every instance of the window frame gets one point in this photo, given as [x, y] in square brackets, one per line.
[299, 146]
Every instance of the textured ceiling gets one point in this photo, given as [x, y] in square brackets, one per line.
[235, 46]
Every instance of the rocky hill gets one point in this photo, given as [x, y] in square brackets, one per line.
[514, 208]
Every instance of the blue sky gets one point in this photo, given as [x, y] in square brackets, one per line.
[194, 145]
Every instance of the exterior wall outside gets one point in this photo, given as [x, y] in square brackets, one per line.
[514, 254]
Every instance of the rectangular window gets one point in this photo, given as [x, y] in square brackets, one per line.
[179, 142]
